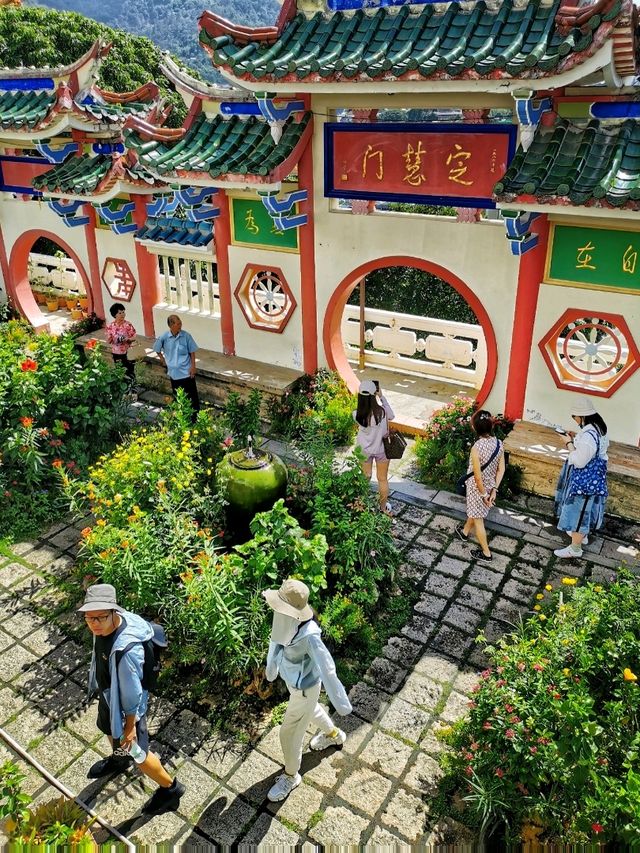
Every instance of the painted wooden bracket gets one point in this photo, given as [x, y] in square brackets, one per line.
[278, 208]
[192, 196]
[107, 148]
[163, 204]
[114, 216]
[517, 223]
[529, 112]
[56, 155]
[67, 210]
[201, 212]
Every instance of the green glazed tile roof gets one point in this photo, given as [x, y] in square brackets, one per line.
[220, 147]
[392, 43]
[173, 230]
[85, 175]
[25, 109]
[591, 163]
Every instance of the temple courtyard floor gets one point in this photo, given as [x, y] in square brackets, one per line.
[379, 788]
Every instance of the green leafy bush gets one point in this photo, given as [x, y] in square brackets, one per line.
[243, 417]
[553, 736]
[322, 401]
[442, 454]
[52, 397]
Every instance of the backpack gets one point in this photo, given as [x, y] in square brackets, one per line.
[153, 649]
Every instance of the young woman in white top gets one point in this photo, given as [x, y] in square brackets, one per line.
[373, 416]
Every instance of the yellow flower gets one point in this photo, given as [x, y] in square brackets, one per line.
[569, 581]
[629, 675]
[548, 587]
[542, 617]
[598, 588]
[209, 472]
[537, 607]
[566, 671]
[210, 459]
[103, 555]
[117, 498]
[539, 596]
[101, 522]
[136, 508]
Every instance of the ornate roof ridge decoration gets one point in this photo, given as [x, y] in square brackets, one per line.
[184, 82]
[143, 94]
[588, 163]
[96, 53]
[475, 41]
[216, 25]
[218, 151]
[98, 178]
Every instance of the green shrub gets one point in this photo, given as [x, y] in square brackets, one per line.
[442, 454]
[341, 618]
[243, 417]
[322, 401]
[59, 408]
[553, 735]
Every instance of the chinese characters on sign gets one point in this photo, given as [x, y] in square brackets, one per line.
[595, 257]
[416, 162]
[251, 225]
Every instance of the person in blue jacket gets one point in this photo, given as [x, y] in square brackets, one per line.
[298, 655]
[122, 700]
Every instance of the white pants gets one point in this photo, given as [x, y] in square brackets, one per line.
[302, 709]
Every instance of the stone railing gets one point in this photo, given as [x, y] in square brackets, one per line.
[189, 284]
[420, 345]
[51, 272]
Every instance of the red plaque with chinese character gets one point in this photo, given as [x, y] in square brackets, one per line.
[421, 163]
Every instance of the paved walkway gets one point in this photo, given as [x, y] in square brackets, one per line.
[378, 788]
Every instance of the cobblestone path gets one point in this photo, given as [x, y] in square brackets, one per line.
[378, 788]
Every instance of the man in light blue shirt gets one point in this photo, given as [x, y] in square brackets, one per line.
[177, 351]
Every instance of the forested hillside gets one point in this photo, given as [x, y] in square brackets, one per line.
[40, 37]
[171, 24]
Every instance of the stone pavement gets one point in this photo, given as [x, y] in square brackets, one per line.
[378, 788]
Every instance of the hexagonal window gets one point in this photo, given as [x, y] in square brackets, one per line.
[118, 279]
[587, 352]
[265, 298]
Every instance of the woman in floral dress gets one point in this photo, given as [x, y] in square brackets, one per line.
[486, 465]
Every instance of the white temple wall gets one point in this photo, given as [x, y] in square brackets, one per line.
[284, 348]
[120, 247]
[544, 400]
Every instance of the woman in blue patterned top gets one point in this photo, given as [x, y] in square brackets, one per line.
[582, 487]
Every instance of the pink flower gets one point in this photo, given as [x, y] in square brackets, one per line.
[485, 673]
[487, 725]
[508, 708]
[521, 667]
[538, 667]
[509, 734]
[533, 749]
[500, 682]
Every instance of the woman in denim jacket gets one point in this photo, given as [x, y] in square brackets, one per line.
[298, 655]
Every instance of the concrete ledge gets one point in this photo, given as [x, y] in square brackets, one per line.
[217, 374]
[540, 451]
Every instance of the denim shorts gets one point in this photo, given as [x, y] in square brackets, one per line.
[104, 725]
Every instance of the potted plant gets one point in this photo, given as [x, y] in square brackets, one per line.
[70, 300]
[84, 302]
[52, 300]
[76, 311]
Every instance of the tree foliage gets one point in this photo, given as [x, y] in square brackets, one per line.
[410, 290]
[33, 36]
[173, 24]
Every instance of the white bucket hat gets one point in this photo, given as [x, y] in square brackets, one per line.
[583, 407]
[291, 599]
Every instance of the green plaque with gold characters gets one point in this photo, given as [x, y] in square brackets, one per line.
[602, 257]
[252, 226]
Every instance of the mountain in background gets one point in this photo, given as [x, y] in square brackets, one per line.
[171, 24]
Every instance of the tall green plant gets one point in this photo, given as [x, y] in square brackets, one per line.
[243, 416]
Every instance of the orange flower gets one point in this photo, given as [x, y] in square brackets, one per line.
[86, 532]
[26, 422]
[629, 675]
[29, 365]
[92, 344]
[57, 463]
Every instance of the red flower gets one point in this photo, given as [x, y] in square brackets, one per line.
[500, 682]
[509, 708]
[57, 463]
[597, 827]
[26, 422]
[509, 734]
[487, 725]
[64, 425]
[28, 364]
[538, 667]
[499, 773]
[92, 344]
[533, 749]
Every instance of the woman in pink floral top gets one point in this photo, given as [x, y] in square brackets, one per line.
[121, 334]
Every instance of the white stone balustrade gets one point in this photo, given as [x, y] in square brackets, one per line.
[59, 273]
[189, 284]
[424, 346]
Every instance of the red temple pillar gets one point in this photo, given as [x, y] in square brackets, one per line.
[96, 301]
[308, 302]
[148, 270]
[530, 276]
[222, 237]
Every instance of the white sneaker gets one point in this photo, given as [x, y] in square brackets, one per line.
[585, 540]
[322, 741]
[283, 786]
[568, 552]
